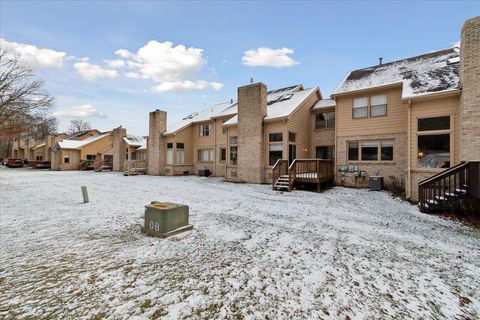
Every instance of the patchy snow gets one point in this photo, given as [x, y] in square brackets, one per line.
[324, 104]
[420, 75]
[134, 141]
[281, 103]
[76, 144]
[253, 253]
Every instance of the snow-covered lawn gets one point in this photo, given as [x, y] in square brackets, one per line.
[254, 253]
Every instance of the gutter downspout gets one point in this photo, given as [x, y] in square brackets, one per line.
[409, 147]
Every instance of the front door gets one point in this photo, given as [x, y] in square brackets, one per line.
[292, 153]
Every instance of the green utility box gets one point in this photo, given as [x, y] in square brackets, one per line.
[164, 219]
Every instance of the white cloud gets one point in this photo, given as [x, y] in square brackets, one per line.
[133, 75]
[173, 68]
[90, 71]
[186, 85]
[115, 64]
[81, 111]
[266, 57]
[33, 56]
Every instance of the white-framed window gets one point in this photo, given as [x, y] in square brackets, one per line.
[180, 156]
[205, 130]
[378, 105]
[205, 155]
[170, 153]
[233, 150]
[360, 108]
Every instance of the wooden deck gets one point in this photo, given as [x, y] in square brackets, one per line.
[301, 171]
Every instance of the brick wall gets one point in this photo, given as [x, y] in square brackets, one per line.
[156, 147]
[252, 108]
[119, 147]
[396, 168]
[470, 99]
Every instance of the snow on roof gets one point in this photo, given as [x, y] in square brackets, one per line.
[39, 146]
[324, 104]
[76, 144]
[279, 106]
[133, 140]
[144, 145]
[229, 109]
[425, 74]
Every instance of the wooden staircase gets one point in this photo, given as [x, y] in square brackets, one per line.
[301, 171]
[447, 190]
[103, 165]
[134, 167]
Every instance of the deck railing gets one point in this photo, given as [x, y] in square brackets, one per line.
[102, 164]
[280, 168]
[441, 189]
[304, 171]
[134, 166]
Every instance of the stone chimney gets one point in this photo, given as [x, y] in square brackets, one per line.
[156, 148]
[119, 148]
[470, 82]
[252, 109]
[49, 143]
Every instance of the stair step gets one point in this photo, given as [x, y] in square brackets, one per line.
[432, 201]
[451, 195]
[461, 191]
[440, 198]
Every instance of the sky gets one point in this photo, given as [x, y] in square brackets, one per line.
[112, 62]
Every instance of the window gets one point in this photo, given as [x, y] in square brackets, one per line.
[325, 152]
[233, 155]
[205, 155]
[292, 136]
[369, 150]
[39, 158]
[91, 157]
[378, 106]
[275, 153]
[205, 130]
[180, 155]
[387, 151]
[126, 154]
[275, 137]
[223, 154]
[233, 140]
[434, 151]
[143, 155]
[66, 158]
[169, 153]
[325, 120]
[134, 156]
[353, 151]
[360, 107]
[437, 123]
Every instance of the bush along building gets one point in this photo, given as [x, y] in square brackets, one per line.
[415, 122]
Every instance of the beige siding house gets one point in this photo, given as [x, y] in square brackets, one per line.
[239, 140]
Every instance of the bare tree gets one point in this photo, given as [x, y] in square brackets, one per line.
[78, 125]
[21, 96]
[42, 127]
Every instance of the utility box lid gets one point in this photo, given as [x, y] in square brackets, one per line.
[166, 218]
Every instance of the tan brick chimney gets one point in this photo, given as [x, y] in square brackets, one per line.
[156, 142]
[119, 148]
[252, 109]
[49, 143]
[470, 82]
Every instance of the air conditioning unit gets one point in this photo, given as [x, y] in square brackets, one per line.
[376, 183]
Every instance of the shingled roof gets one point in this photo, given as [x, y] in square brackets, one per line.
[429, 73]
[281, 102]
